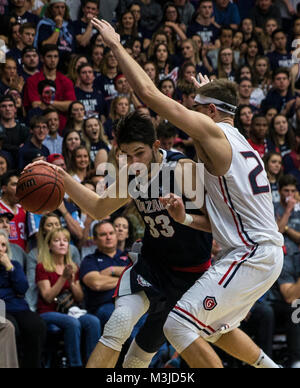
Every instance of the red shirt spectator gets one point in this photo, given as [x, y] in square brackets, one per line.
[64, 94]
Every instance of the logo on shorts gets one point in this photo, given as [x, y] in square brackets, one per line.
[142, 282]
[210, 303]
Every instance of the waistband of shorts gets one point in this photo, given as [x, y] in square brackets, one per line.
[196, 269]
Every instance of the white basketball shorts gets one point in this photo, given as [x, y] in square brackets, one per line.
[224, 295]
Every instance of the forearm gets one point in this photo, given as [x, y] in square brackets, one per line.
[62, 106]
[283, 221]
[50, 293]
[73, 226]
[104, 283]
[77, 291]
[201, 223]
[293, 234]
[85, 38]
[291, 292]
[52, 39]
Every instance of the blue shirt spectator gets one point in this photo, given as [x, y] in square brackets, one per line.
[226, 13]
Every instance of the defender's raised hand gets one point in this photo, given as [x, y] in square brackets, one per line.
[108, 33]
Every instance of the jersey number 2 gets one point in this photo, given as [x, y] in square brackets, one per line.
[254, 174]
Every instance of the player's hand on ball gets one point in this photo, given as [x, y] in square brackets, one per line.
[42, 163]
[175, 207]
[108, 33]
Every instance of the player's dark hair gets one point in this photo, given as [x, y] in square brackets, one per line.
[287, 180]
[7, 176]
[135, 128]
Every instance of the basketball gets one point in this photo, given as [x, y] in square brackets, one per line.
[40, 189]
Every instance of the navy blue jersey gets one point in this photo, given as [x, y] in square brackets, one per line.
[167, 243]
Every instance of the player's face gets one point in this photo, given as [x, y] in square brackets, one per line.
[5, 224]
[59, 244]
[138, 153]
[50, 224]
[106, 237]
[122, 228]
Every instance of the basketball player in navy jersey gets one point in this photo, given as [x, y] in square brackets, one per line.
[172, 256]
[239, 206]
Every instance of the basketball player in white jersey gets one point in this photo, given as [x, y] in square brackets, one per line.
[240, 209]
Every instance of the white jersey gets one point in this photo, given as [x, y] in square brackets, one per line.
[239, 203]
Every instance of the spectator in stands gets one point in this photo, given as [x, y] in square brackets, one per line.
[97, 55]
[162, 59]
[151, 69]
[186, 11]
[53, 141]
[258, 135]
[76, 61]
[38, 228]
[124, 230]
[47, 91]
[266, 38]
[27, 34]
[245, 89]
[15, 134]
[56, 29]
[19, 13]
[227, 13]
[253, 49]
[262, 75]
[65, 93]
[5, 161]
[282, 135]
[167, 87]
[247, 28]
[280, 57]
[100, 272]
[151, 15]
[280, 96]
[226, 41]
[270, 114]
[8, 355]
[57, 274]
[204, 24]
[39, 131]
[71, 141]
[226, 64]
[127, 27]
[76, 115]
[29, 328]
[109, 71]
[96, 141]
[273, 166]
[80, 163]
[287, 213]
[264, 10]
[9, 203]
[166, 134]
[243, 119]
[83, 28]
[9, 76]
[86, 93]
[119, 108]
[29, 63]
[191, 52]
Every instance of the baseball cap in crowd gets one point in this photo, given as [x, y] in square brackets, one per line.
[29, 49]
[51, 158]
[7, 98]
[4, 213]
[31, 155]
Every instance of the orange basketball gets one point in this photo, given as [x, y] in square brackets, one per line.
[40, 189]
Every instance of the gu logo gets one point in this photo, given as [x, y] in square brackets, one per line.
[2, 51]
[209, 303]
